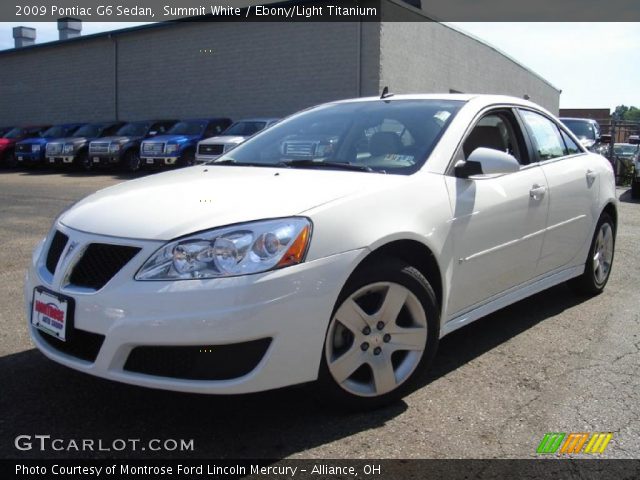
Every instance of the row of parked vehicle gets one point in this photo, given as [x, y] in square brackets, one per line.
[132, 145]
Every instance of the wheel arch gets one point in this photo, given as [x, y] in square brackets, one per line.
[414, 253]
[611, 209]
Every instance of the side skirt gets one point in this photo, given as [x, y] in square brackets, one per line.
[510, 296]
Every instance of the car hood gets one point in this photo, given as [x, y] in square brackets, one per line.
[173, 138]
[70, 140]
[35, 141]
[227, 139]
[172, 204]
[118, 139]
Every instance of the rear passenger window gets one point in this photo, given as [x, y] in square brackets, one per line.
[545, 135]
[572, 148]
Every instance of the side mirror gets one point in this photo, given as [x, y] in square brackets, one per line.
[486, 161]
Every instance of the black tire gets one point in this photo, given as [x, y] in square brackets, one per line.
[187, 159]
[635, 189]
[131, 161]
[83, 162]
[9, 159]
[588, 283]
[395, 272]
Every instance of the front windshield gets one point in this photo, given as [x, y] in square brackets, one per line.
[56, 132]
[90, 131]
[244, 129]
[581, 129]
[187, 128]
[15, 133]
[134, 130]
[627, 149]
[382, 136]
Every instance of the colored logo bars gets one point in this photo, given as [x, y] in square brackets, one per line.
[559, 442]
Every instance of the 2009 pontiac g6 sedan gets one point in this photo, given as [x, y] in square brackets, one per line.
[337, 246]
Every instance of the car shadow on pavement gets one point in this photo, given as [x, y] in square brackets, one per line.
[33, 172]
[626, 197]
[38, 396]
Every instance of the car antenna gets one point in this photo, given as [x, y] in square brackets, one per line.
[385, 93]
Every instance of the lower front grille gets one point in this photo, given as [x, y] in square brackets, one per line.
[58, 243]
[204, 362]
[80, 343]
[99, 263]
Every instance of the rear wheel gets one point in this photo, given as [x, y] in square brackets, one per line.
[600, 260]
[382, 336]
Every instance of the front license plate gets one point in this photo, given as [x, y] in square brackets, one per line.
[149, 160]
[50, 313]
[96, 160]
[20, 159]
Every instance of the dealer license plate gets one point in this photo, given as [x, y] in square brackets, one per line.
[50, 313]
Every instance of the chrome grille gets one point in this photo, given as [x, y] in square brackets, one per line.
[210, 149]
[99, 147]
[152, 148]
[54, 148]
[300, 149]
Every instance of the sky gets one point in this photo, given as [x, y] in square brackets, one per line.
[594, 64]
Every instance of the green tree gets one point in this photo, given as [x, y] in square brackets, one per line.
[631, 114]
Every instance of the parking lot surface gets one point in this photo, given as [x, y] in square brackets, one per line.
[552, 363]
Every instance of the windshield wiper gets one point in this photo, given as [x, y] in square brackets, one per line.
[337, 165]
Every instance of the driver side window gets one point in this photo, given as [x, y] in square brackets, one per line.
[497, 131]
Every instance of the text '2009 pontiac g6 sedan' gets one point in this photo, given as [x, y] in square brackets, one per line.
[337, 246]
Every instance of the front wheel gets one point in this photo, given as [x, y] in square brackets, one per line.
[600, 260]
[84, 161]
[132, 161]
[382, 336]
[187, 159]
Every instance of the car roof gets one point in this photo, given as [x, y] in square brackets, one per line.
[257, 119]
[476, 98]
[591, 120]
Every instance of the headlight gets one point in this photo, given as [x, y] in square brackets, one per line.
[114, 147]
[68, 148]
[35, 148]
[225, 252]
[171, 148]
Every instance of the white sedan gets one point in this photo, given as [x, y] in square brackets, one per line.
[338, 246]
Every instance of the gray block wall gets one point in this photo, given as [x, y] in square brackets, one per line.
[248, 69]
[255, 69]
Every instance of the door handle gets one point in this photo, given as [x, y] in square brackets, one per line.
[537, 191]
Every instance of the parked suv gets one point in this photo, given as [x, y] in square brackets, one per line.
[32, 150]
[212, 148]
[178, 146]
[124, 147]
[74, 150]
[13, 136]
[586, 129]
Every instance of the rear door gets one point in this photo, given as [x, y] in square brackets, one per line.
[573, 188]
[499, 220]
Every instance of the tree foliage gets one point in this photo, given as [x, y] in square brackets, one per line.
[631, 114]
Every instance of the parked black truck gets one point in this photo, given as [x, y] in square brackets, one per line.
[74, 151]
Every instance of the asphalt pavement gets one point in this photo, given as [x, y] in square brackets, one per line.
[552, 363]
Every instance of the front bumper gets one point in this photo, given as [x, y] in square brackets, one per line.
[29, 157]
[206, 158]
[102, 159]
[61, 160]
[291, 307]
[158, 161]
